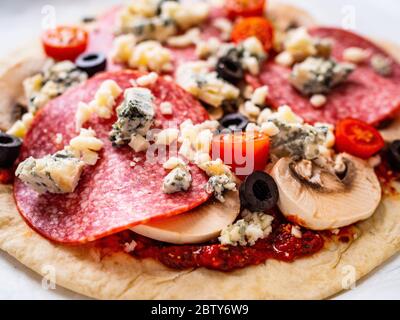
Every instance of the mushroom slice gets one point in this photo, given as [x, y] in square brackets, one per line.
[196, 226]
[318, 198]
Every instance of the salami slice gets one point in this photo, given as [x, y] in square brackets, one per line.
[366, 95]
[112, 195]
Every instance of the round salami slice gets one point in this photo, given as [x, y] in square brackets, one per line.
[112, 195]
[366, 95]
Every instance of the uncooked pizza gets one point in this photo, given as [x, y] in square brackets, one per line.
[166, 144]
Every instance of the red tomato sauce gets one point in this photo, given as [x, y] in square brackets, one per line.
[280, 245]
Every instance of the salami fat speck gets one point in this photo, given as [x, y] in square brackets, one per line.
[112, 195]
[366, 95]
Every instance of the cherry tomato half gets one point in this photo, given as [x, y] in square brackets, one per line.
[254, 27]
[64, 42]
[244, 152]
[358, 138]
[245, 8]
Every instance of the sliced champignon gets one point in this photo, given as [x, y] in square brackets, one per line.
[196, 226]
[322, 198]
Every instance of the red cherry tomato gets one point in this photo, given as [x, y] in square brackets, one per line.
[64, 42]
[254, 27]
[358, 138]
[245, 8]
[244, 152]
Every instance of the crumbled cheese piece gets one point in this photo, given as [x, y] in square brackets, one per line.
[298, 140]
[151, 56]
[285, 59]
[252, 127]
[264, 116]
[296, 232]
[196, 139]
[207, 48]
[246, 231]
[179, 179]
[130, 246]
[195, 78]
[86, 146]
[286, 115]
[260, 95]
[251, 109]
[57, 173]
[33, 85]
[55, 79]
[61, 171]
[251, 64]
[167, 136]
[201, 158]
[202, 143]
[299, 44]
[102, 104]
[104, 99]
[185, 15]
[166, 108]
[217, 185]
[355, 55]
[59, 138]
[382, 65]
[318, 100]
[192, 36]
[135, 115]
[138, 143]
[225, 27]
[21, 127]
[123, 47]
[83, 114]
[173, 162]
[145, 8]
[215, 168]
[269, 128]
[147, 80]
[143, 28]
[186, 150]
[252, 46]
[319, 76]
[330, 134]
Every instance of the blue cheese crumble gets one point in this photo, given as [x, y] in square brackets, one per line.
[135, 115]
[221, 178]
[318, 75]
[55, 79]
[57, 173]
[298, 140]
[246, 231]
[178, 179]
[60, 172]
[217, 185]
[196, 79]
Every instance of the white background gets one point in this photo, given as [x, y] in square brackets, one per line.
[20, 22]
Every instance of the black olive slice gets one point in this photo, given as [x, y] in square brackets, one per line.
[10, 147]
[234, 122]
[393, 154]
[230, 69]
[258, 192]
[92, 62]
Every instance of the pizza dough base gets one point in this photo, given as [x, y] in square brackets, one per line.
[86, 270]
